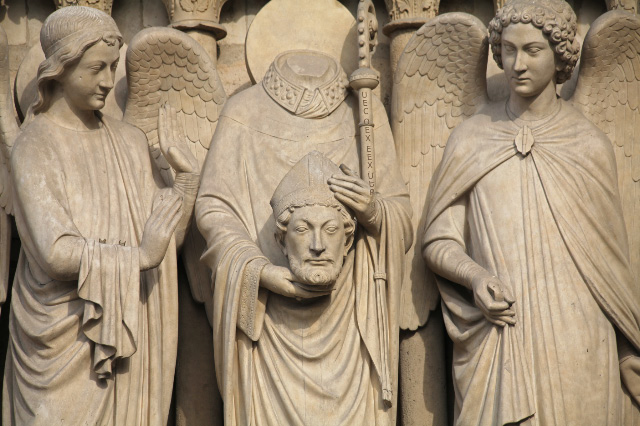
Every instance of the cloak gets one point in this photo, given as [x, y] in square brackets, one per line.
[549, 225]
[256, 143]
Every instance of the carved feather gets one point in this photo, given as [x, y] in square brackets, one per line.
[9, 128]
[440, 80]
[9, 131]
[167, 66]
[608, 93]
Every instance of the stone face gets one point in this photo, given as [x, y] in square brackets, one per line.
[515, 260]
[26, 91]
[257, 278]
[101, 231]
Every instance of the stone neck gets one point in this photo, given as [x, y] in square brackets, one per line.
[301, 94]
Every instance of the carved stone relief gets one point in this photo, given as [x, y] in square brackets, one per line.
[519, 271]
[103, 5]
[302, 237]
[96, 278]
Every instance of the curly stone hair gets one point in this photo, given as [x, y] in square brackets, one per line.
[554, 18]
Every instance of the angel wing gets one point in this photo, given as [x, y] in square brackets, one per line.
[440, 80]
[9, 128]
[9, 131]
[608, 93]
[167, 66]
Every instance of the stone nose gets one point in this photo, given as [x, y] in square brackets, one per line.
[317, 243]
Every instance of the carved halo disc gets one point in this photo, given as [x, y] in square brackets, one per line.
[321, 25]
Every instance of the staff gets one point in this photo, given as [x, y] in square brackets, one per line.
[364, 80]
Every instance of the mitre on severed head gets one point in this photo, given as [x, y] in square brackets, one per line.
[306, 184]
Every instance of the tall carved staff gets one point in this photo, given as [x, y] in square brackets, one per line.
[364, 80]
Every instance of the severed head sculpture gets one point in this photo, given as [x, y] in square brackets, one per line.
[314, 230]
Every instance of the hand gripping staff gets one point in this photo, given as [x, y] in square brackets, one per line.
[364, 80]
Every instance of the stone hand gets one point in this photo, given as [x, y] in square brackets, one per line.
[173, 142]
[280, 280]
[494, 300]
[630, 376]
[158, 230]
[354, 193]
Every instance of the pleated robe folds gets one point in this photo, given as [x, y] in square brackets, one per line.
[93, 339]
[255, 145]
[549, 225]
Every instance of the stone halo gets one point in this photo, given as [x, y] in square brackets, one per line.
[281, 25]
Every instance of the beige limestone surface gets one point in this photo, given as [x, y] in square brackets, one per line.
[236, 16]
[96, 278]
[257, 142]
[525, 228]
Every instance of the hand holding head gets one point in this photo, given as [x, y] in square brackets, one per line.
[314, 230]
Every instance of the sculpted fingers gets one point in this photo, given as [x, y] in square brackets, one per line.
[355, 187]
[347, 171]
[178, 160]
[174, 123]
[486, 302]
[508, 295]
[163, 129]
[300, 293]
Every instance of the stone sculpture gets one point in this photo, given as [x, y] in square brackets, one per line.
[8, 133]
[200, 19]
[405, 17]
[94, 312]
[524, 226]
[103, 5]
[283, 25]
[301, 106]
[165, 65]
[26, 83]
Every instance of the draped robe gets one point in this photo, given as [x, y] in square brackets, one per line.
[549, 225]
[93, 339]
[256, 143]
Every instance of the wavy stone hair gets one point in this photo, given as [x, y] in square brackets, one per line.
[66, 34]
[554, 18]
[282, 222]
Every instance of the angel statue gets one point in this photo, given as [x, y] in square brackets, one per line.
[93, 311]
[524, 225]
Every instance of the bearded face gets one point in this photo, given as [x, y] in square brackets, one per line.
[315, 244]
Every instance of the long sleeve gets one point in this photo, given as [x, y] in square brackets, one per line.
[444, 247]
[42, 212]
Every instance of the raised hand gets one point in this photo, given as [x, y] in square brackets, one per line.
[494, 299]
[159, 228]
[354, 193]
[280, 280]
[173, 142]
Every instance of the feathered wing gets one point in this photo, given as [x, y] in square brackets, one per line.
[9, 128]
[440, 80]
[608, 94]
[9, 131]
[167, 66]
